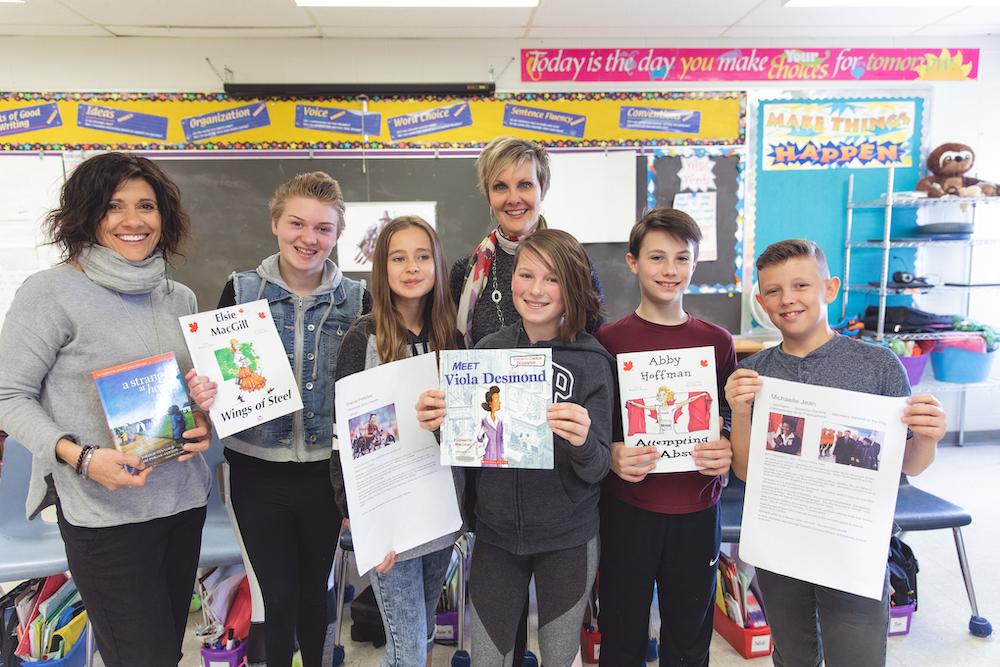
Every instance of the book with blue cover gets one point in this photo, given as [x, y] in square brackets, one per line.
[497, 408]
[146, 406]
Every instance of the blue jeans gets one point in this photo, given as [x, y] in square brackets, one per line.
[407, 596]
[812, 623]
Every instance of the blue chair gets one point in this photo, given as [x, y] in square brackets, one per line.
[35, 549]
[915, 510]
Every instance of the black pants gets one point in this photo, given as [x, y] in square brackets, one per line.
[289, 525]
[136, 582]
[677, 551]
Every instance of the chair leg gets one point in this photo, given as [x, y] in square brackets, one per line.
[978, 625]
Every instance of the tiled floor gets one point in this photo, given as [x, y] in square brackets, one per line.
[967, 476]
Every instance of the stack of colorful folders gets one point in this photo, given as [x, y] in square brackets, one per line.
[51, 619]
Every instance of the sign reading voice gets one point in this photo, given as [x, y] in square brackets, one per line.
[332, 119]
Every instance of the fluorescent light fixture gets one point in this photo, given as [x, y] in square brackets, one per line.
[884, 4]
[457, 4]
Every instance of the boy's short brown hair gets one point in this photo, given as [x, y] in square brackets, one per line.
[677, 223]
[782, 251]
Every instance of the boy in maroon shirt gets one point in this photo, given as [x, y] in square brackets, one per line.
[662, 528]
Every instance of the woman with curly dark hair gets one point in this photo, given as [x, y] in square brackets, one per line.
[132, 534]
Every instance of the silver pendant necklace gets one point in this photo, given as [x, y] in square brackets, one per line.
[496, 295]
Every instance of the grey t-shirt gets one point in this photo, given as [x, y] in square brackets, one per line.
[60, 327]
[841, 363]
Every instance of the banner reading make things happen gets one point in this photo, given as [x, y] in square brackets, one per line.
[832, 133]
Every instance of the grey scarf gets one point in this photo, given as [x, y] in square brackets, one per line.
[109, 269]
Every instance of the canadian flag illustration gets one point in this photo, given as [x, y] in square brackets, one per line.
[695, 414]
[641, 419]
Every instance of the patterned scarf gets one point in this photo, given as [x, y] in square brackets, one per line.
[479, 271]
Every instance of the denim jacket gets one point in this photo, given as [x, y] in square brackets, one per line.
[311, 328]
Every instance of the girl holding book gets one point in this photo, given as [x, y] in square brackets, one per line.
[412, 314]
[132, 538]
[279, 480]
[543, 523]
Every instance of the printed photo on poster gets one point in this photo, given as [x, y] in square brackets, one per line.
[784, 434]
[857, 446]
[373, 430]
[365, 220]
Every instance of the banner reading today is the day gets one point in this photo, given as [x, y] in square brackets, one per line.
[827, 134]
[812, 64]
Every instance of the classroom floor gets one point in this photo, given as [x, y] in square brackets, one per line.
[969, 477]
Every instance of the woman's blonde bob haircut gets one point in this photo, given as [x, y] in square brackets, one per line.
[506, 152]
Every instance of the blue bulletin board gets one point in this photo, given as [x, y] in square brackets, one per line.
[805, 151]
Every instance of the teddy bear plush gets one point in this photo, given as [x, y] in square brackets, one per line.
[948, 164]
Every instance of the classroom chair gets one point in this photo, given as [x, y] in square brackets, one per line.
[915, 510]
[35, 549]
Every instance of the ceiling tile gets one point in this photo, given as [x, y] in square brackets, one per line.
[789, 33]
[39, 12]
[625, 32]
[429, 18]
[957, 30]
[640, 12]
[193, 13]
[420, 32]
[53, 30]
[218, 33]
[772, 13]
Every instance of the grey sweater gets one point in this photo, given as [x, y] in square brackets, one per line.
[60, 327]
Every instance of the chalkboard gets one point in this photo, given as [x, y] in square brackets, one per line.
[227, 200]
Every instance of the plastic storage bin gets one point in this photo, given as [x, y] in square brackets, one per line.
[77, 655]
[914, 367]
[953, 364]
[748, 642]
[900, 618]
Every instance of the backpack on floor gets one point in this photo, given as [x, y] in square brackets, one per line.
[903, 570]
[366, 620]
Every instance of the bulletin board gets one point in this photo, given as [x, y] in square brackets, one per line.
[803, 157]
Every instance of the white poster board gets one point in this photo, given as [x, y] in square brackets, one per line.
[822, 478]
[592, 195]
[398, 494]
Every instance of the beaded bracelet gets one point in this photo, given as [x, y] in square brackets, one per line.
[79, 460]
[84, 472]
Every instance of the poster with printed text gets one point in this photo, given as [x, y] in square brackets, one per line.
[669, 400]
[838, 133]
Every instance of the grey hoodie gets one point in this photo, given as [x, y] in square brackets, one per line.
[533, 511]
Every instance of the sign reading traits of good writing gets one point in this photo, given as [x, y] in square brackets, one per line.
[29, 119]
[544, 120]
[332, 119]
[826, 134]
[429, 121]
[683, 121]
[226, 121]
[121, 121]
[813, 64]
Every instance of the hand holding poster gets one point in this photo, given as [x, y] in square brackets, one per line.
[398, 495]
[238, 348]
[497, 408]
[669, 399]
[822, 477]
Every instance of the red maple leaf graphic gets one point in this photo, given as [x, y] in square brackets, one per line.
[262, 316]
[193, 327]
[627, 365]
[241, 310]
[704, 363]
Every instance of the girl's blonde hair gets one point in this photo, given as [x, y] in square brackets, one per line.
[316, 185]
[439, 310]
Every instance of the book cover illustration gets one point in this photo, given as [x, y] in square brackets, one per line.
[669, 399]
[497, 406]
[239, 349]
[146, 406]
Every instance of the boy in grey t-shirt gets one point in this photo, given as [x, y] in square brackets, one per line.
[795, 289]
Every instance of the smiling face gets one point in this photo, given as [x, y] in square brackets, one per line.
[307, 231]
[537, 297]
[516, 198]
[785, 428]
[795, 294]
[410, 266]
[664, 267]
[131, 225]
